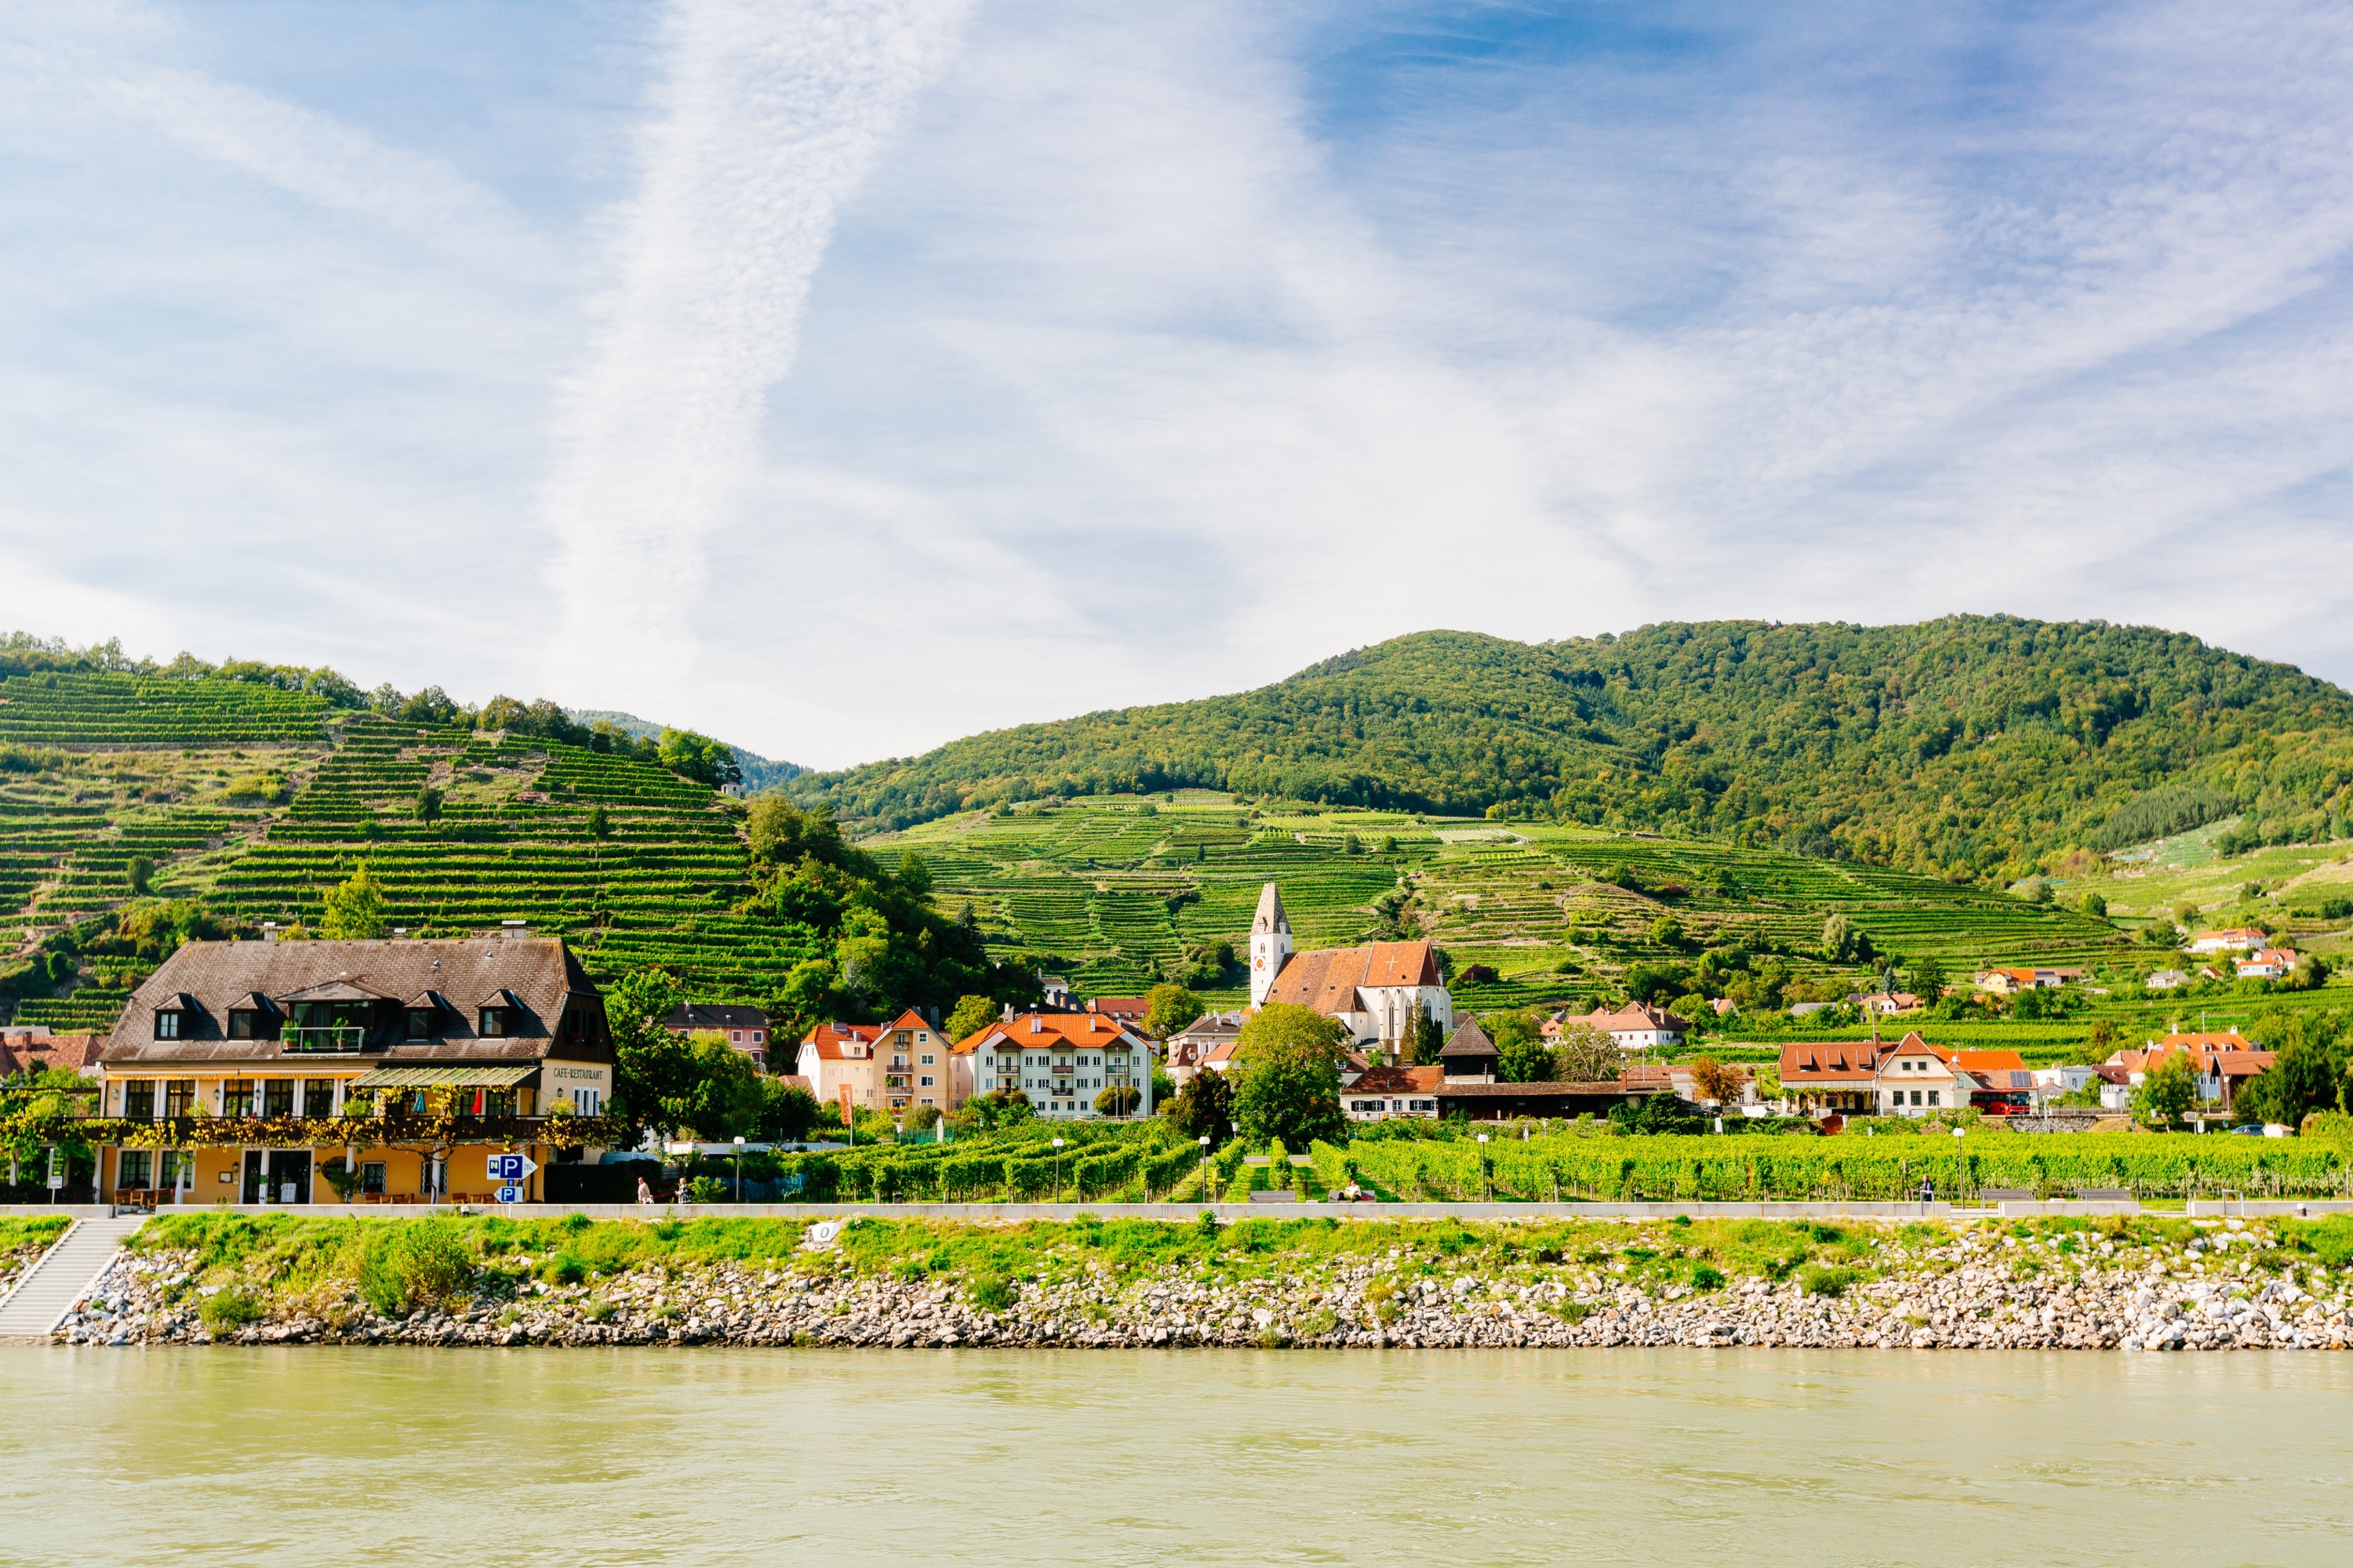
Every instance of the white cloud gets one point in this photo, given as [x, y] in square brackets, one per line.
[766, 118]
[933, 377]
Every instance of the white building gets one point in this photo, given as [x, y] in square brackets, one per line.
[1061, 1060]
[1374, 992]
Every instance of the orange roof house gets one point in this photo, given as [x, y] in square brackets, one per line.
[1062, 1062]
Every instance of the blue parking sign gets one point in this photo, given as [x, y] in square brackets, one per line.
[509, 1195]
[506, 1168]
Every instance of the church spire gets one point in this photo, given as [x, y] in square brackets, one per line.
[1271, 917]
[1270, 944]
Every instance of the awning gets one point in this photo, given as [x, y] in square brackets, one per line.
[489, 1075]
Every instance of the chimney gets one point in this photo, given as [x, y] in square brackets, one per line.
[269, 930]
[513, 930]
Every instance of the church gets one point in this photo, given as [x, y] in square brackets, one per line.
[1371, 990]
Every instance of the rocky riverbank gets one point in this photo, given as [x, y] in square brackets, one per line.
[2173, 1286]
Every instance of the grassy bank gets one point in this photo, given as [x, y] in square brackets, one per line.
[409, 1263]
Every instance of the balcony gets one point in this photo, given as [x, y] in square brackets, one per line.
[322, 1039]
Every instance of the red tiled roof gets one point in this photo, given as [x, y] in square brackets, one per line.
[1398, 1081]
[829, 1038]
[28, 1053]
[1835, 1061]
[1328, 979]
[1050, 1030]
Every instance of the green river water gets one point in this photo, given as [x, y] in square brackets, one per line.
[399, 1456]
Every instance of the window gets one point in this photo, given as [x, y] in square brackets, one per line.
[178, 1169]
[928, 1059]
[240, 1024]
[586, 1101]
[757, 1037]
[420, 1022]
[139, 1101]
[319, 1097]
[496, 1102]
[180, 1097]
[493, 1023]
[167, 1024]
[237, 1098]
[278, 1097]
[1932, 1097]
[136, 1166]
[1915, 1096]
[372, 1177]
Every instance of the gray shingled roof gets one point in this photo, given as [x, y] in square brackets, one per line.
[535, 977]
[1469, 1039]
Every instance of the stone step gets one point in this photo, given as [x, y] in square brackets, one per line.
[52, 1286]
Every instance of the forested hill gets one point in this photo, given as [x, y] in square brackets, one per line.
[1968, 745]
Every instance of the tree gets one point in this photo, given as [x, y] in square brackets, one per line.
[429, 805]
[600, 826]
[354, 909]
[2311, 972]
[140, 873]
[1521, 1054]
[697, 757]
[972, 1015]
[1585, 1054]
[787, 1112]
[2308, 1066]
[1667, 931]
[1712, 1080]
[1204, 1108]
[648, 1061]
[1841, 942]
[1120, 1100]
[2167, 1091]
[1167, 1009]
[1425, 1038]
[1287, 1071]
[1927, 979]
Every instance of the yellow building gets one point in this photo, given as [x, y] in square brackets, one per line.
[276, 1072]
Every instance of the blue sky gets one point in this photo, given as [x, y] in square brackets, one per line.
[845, 377]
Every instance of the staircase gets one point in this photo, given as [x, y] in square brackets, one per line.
[50, 1287]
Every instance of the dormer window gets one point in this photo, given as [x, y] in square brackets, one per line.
[492, 1024]
[420, 1023]
[240, 1024]
[169, 1022]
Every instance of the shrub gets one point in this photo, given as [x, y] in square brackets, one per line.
[1821, 1281]
[1707, 1277]
[563, 1270]
[990, 1293]
[228, 1310]
[413, 1264]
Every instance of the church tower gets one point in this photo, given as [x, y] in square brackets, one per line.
[1270, 944]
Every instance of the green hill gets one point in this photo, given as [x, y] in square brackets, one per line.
[1966, 746]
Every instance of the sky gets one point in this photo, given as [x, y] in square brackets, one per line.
[840, 378]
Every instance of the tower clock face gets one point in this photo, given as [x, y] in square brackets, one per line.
[1260, 960]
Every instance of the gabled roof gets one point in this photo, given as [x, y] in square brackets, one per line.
[1327, 978]
[1836, 1062]
[1469, 1042]
[1050, 1032]
[539, 974]
[827, 1039]
[1634, 1018]
[337, 989]
[1386, 1080]
[23, 1052]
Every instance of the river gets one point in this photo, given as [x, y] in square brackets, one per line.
[636, 1456]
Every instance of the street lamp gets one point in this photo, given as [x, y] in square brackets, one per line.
[1960, 1170]
[1207, 1196]
[1058, 1170]
[1486, 1186]
[739, 1167]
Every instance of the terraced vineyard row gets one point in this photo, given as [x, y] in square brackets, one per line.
[1559, 913]
[517, 837]
[55, 708]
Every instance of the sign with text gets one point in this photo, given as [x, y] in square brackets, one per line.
[509, 1195]
[510, 1167]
